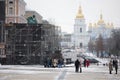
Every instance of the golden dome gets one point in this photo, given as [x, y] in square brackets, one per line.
[90, 24]
[112, 26]
[101, 21]
[79, 14]
[109, 25]
[95, 25]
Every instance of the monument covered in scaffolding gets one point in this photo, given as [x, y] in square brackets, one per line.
[30, 43]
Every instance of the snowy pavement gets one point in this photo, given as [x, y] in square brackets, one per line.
[37, 72]
[93, 73]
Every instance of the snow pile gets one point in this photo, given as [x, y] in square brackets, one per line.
[101, 60]
[90, 54]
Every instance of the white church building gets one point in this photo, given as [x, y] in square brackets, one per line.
[80, 36]
[100, 28]
[83, 34]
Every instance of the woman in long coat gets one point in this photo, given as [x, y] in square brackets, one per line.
[77, 65]
[110, 67]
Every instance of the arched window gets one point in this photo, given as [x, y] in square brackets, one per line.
[81, 45]
[80, 30]
[10, 10]
[10, 2]
[10, 22]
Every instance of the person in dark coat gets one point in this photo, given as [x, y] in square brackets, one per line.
[115, 65]
[45, 63]
[110, 67]
[60, 63]
[77, 65]
[84, 62]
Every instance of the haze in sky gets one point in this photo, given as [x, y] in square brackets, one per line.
[63, 12]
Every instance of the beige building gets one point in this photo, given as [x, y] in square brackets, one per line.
[2, 50]
[31, 13]
[15, 11]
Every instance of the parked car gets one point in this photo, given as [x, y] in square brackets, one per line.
[92, 60]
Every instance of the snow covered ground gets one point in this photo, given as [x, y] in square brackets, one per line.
[38, 72]
[19, 69]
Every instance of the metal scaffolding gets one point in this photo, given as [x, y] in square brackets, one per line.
[28, 43]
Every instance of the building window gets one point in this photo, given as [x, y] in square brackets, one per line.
[80, 30]
[10, 10]
[10, 2]
[81, 45]
[10, 22]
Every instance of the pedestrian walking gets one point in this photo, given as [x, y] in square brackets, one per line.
[60, 62]
[80, 66]
[110, 67]
[84, 62]
[48, 62]
[45, 63]
[77, 64]
[115, 65]
[87, 62]
[55, 63]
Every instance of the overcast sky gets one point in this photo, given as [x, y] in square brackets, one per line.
[63, 12]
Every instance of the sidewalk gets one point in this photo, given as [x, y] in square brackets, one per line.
[94, 72]
[20, 72]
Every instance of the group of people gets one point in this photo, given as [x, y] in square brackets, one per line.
[86, 63]
[113, 64]
[53, 63]
[78, 65]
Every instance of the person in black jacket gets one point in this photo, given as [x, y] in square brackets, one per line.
[115, 65]
[84, 62]
[77, 65]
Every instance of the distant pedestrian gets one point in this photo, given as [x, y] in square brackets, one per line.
[87, 62]
[60, 62]
[115, 65]
[80, 66]
[55, 63]
[84, 62]
[77, 64]
[45, 63]
[48, 62]
[110, 67]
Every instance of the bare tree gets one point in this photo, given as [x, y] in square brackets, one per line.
[115, 50]
[112, 44]
[91, 46]
[99, 46]
[108, 44]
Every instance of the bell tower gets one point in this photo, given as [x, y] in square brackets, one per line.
[81, 37]
[15, 10]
